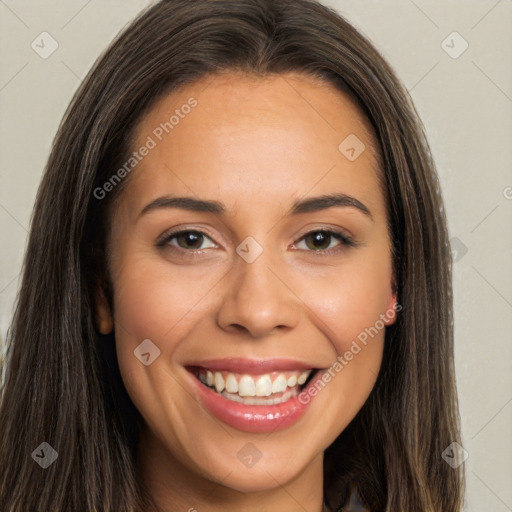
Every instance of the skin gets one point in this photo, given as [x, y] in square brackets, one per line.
[256, 145]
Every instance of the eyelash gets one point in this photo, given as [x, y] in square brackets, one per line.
[345, 241]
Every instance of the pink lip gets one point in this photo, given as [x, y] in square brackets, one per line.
[253, 366]
[251, 418]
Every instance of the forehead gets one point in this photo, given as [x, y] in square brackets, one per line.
[233, 137]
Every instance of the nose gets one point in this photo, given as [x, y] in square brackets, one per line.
[257, 299]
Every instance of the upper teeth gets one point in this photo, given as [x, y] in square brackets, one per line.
[257, 385]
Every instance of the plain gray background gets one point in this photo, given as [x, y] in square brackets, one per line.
[465, 101]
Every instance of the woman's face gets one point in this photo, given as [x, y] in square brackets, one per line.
[241, 284]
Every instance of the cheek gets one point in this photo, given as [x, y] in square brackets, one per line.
[347, 309]
[151, 298]
[349, 301]
[154, 300]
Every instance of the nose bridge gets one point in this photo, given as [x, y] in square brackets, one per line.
[257, 298]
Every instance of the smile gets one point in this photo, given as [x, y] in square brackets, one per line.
[267, 389]
[257, 396]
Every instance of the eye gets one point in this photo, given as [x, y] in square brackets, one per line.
[324, 240]
[189, 240]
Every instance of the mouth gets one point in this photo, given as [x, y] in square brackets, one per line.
[262, 389]
[254, 395]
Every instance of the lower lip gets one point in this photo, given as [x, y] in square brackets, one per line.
[253, 418]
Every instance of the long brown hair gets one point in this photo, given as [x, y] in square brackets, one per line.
[62, 383]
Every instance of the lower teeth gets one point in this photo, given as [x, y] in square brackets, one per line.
[252, 400]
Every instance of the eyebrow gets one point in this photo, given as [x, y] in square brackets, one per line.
[313, 204]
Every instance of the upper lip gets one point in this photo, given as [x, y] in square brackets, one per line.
[255, 366]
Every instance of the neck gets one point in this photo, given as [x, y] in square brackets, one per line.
[175, 487]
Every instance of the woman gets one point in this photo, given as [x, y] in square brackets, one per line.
[237, 288]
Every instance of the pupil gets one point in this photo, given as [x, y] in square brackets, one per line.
[190, 239]
[320, 240]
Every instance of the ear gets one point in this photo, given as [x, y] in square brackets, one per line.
[104, 320]
[392, 306]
